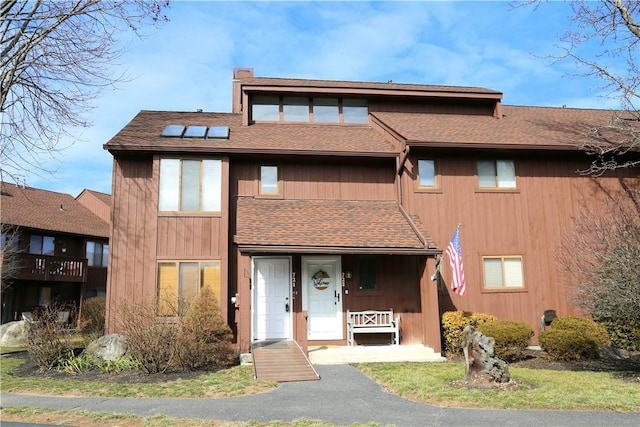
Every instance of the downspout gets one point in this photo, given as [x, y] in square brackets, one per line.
[400, 161]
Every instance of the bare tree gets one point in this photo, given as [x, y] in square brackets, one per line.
[55, 58]
[603, 39]
[9, 249]
[601, 253]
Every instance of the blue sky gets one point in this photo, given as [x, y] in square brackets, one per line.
[187, 64]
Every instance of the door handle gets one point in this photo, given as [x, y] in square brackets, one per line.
[286, 305]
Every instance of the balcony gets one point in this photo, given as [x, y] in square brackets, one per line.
[49, 268]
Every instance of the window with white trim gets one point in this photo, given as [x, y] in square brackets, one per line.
[180, 281]
[426, 173]
[496, 174]
[503, 272]
[190, 185]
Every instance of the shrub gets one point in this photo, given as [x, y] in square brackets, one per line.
[47, 344]
[453, 324]
[151, 343]
[204, 338]
[92, 322]
[565, 344]
[626, 336]
[511, 337]
[574, 338]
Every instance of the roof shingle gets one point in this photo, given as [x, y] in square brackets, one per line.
[324, 224]
[48, 210]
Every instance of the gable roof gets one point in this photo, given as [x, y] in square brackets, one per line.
[48, 210]
[143, 133]
[520, 127]
[325, 226]
[103, 197]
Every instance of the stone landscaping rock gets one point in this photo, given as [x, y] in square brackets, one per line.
[12, 334]
[481, 365]
[109, 347]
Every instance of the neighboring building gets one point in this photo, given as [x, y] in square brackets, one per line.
[59, 248]
[316, 197]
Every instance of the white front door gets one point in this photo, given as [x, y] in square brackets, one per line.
[322, 281]
[272, 305]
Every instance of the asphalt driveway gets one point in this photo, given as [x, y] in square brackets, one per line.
[343, 396]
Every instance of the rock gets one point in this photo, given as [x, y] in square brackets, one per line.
[109, 347]
[481, 365]
[12, 334]
[607, 352]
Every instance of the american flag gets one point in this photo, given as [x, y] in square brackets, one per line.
[454, 252]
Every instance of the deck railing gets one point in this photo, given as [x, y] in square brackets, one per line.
[50, 268]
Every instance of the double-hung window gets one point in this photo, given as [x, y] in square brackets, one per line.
[190, 185]
[181, 281]
[503, 272]
[496, 174]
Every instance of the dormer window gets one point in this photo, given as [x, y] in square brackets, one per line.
[297, 109]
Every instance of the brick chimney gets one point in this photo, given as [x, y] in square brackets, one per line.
[239, 73]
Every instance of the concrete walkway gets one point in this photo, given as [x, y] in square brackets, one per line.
[343, 396]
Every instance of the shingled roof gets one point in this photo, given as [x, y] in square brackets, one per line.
[48, 210]
[143, 133]
[520, 127]
[325, 226]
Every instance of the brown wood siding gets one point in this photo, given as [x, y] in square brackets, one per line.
[303, 180]
[436, 106]
[95, 205]
[132, 263]
[528, 222]
[182, 237]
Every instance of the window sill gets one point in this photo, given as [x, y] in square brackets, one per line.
[428, 190]
[211, 214]
[498, 190]
[269, 196]
[504, 290]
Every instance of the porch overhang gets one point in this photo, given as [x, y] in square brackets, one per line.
[247, 248]
[328, 227]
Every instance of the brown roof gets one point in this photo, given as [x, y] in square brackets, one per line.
[48, 210]
[103, 197]
[337, 84]
[143, 133]
[325, 225]
[539, 127]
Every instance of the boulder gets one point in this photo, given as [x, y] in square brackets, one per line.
[481, 365]
[12, 334]
[109, 347]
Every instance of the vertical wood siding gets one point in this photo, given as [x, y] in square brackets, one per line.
[528, 222]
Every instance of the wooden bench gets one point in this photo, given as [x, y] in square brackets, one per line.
[373, 322]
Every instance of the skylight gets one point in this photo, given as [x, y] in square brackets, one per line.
[218, 132]
[195, 132]
[173, 131]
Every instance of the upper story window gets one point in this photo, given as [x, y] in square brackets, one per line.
[190, 185]
[9, 241]
[269, 180]
[496, 174]
[503, 272]
[97, 254]
[42, 245]
[298, 109]
[426, 173]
